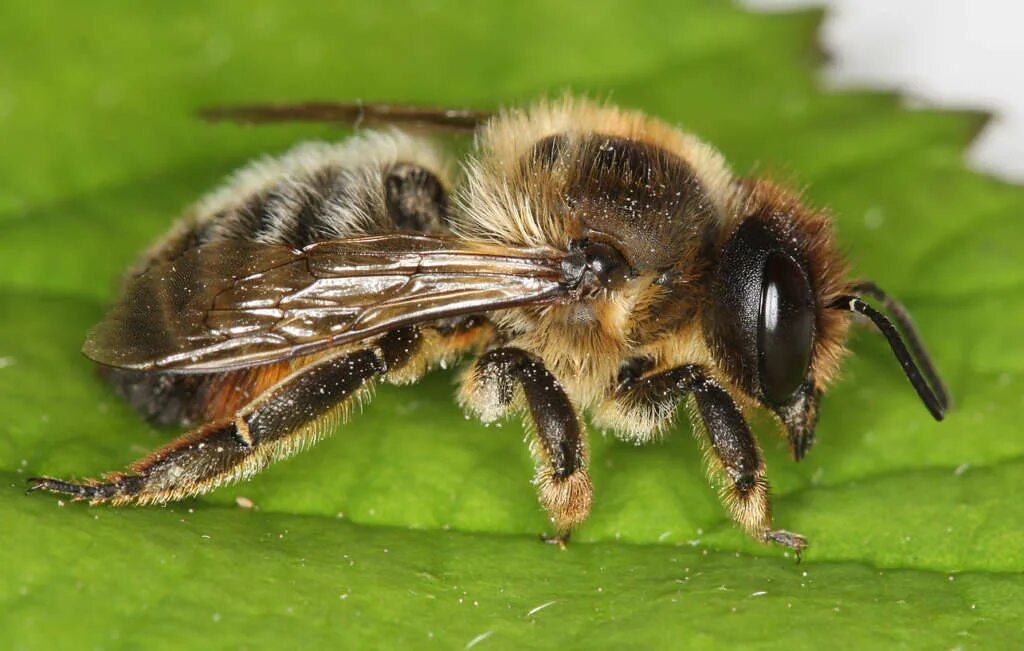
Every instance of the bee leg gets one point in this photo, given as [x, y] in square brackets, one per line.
[558, 445]
[293, 413]
[736, 454]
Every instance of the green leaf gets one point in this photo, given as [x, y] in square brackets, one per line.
[413, 527]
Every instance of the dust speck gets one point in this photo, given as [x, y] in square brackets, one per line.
[874, 217]
[244, 502]
[478, 639]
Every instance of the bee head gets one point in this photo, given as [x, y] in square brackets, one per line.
[778, 309]
[767, 318]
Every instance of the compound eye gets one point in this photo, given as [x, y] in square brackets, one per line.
[785, 328]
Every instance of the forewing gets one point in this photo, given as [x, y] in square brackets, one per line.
[236, 304]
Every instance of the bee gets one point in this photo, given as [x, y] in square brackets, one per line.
[592, 260]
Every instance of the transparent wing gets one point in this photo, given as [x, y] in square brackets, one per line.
[236, 304]
[354, 113]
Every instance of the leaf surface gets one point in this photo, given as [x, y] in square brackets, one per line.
[414, 527]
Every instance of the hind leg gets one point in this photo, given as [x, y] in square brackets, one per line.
[284, 418]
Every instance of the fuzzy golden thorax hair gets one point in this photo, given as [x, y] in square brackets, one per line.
[571, 170]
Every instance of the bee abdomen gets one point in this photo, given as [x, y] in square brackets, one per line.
[189, 399]
[373, 183]
[160, 398]
[416, 199]
[333, 202]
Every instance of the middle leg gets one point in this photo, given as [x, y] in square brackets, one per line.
[558, 445]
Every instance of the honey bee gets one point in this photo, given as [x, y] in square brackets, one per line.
[593, 260]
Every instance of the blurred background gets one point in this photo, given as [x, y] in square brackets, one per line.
[951, 53]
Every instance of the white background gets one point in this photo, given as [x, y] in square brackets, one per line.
[954, 53]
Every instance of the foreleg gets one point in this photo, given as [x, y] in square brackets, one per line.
[736, 455]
